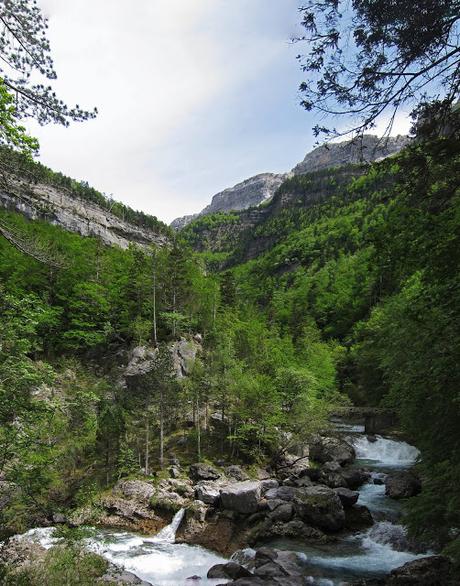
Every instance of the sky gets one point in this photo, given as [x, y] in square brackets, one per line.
[193, 97]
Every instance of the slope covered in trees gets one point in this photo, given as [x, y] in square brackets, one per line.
[356, 301]
[374, 268]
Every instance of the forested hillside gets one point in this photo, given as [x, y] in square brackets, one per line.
[374, 269]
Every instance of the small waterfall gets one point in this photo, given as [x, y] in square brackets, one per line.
[385, 452]
[168, 533]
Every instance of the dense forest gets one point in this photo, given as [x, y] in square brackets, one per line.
[357, 303]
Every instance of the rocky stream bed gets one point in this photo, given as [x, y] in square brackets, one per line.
[338, 523]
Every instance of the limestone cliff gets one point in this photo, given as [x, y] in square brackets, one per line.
[255, 190]
[61, 207]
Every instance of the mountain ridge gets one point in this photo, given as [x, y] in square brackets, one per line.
[259, 188]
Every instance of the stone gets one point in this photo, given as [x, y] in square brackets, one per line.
[283, 512]
[292, 466]
[236, 472]
[242, 497]
[229, 570]
[140, 361]
[207, 493]
[429, 571]
[402, 484]
[321, 507]
[201, 471]
[184, 355]
[283, 493]
[347, 496]
[331, 475]
[135, 489]
[355, 477]
[270, 570]
[174, 472]
[59, 519]
[358, 517]
[331, 449]
[268, 483]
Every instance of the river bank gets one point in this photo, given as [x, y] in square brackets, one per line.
[334, 522]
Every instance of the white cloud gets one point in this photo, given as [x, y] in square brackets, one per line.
[154, 67]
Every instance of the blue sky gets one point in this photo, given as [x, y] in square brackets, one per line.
[194, 96]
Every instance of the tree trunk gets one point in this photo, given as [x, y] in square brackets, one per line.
[154, 301]
[161, 431]
[147, 441]
[198, 430]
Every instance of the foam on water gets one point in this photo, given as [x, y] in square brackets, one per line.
[157, 559]
[385, 452]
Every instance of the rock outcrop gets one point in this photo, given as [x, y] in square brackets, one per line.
[255, 190]
[63, 208]
[368, 149]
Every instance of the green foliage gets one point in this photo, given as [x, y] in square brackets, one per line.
[67, 564]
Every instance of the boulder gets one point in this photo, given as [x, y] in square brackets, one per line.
[207, 493]
[201, 471]
[326, 449]
[268, 484]
[242, 497]
[282, 493]
[348, 497]
[229, 570]
[236, 472]
[321, 507]
[402, 484]
[331, 475]
[283, 512]
[430, 571]
[355, 477]
[184, 355]
[358, 517]
[291, 466]
[140, 361]
[135, 489]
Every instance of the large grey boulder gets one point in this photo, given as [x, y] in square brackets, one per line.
[135, 489]
[236, 472]
[331, 449]
[208, 493]
[348, 497]
[201, 471]
[241, 497]
[140, 361]
[402, 484]
[184, 355]
[321, 507]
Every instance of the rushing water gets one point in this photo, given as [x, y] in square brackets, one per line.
[384, 546]
[384, 452]
[376, 551]
[156, 559]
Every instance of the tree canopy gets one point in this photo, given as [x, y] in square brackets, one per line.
[25, 58]
[367, 57]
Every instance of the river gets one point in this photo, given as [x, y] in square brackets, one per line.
[370, 553]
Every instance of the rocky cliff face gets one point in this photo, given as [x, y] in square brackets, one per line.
[370, 148]
[59, 207]
[254, 191]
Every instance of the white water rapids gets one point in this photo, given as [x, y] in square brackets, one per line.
[376, 551]
[158, 559]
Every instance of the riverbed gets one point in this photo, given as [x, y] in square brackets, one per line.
[371, 553]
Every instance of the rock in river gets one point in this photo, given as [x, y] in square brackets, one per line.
[321, 507]
[242, 497]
